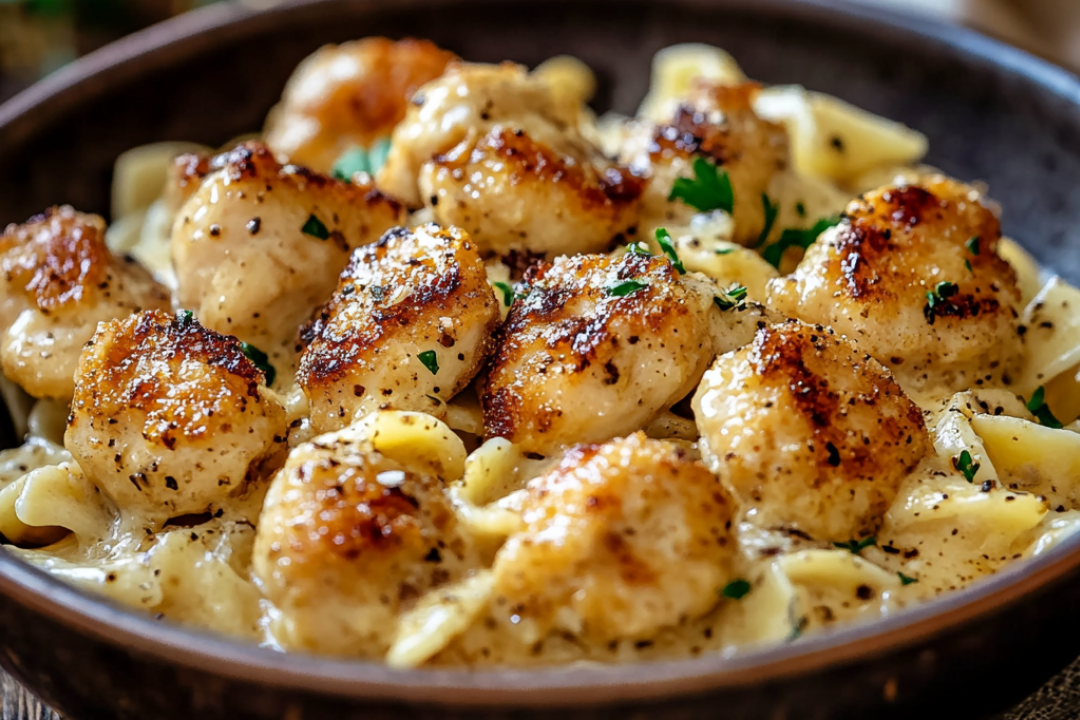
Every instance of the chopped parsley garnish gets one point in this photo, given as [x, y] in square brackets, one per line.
[639, 249]
[358, 159]
[967, 264]
[730, 298]
[507, 291]
[724, 251]
[791, 237]
[798, 622]
[736, 589]
[627, 287]
[966, 465]
[905, 580]
[663, 237]
[771, 211]
[856, 546]
[186, 316]
[972, 245]
[430, 360]
[709, 190]
[937, 297]
[1038, 407]
[260, 360]
[770, 219]
[315, 228]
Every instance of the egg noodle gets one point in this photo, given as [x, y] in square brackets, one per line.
[442, 369]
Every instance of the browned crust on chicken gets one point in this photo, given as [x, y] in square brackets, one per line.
[58, 259]
[526, 161]
[798, 356]
[355, 515]
[549, 334]
[879, 226]
[138, 363]
[361, 347]
[351, 95]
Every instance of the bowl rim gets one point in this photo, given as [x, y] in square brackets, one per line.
[578, 685]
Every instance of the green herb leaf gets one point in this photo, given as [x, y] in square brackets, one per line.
[627, 287]
[1038, 407]
[507, 291]
[937, 297]
[430, 360]
[724, 251]
[638, 249]
[857, 546]
[730, 298]
[966, 465]
[186, 316]
[798, 623]
[791, 237]
[736, 589]
[260, 360]
[315, 228]
[358, 159]
[905, 580]
[663, 237]
[709, 190]
[972, 245]
[967, 264]
[771, 211]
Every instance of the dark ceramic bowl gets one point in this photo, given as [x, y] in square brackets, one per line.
[991, 113]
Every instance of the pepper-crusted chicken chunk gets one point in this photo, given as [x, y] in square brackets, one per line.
[493, 150]
[259, 245]
[808, 432]
[620, 541]
[596, 349]
[170, 417]
[349, 95]
[348, 538]
[59, 281]
[718, 123]
[912, 273]
[411, 320]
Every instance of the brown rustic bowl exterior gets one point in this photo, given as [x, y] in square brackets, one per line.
[991, 113]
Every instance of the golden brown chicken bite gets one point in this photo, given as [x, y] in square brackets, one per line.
[409, 326]
[912, 273]
[170, 417]
[259, 245]
[620, 541]
[347, 539]
[349, 95]
[59, 280]
[808, 432]
[718, 124]
[491, 149]
[595, 350]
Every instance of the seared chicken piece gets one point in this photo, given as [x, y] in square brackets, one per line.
[808, 432]
[409, 325]
[913, 274]
[598, 347]
[349, 95]
[718, 124]
[491, 149]
[59, 281]
[259, 245]
[620, 541]
[347, 539]
[170, 417]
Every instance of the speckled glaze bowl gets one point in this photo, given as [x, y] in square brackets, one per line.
[991, 113]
